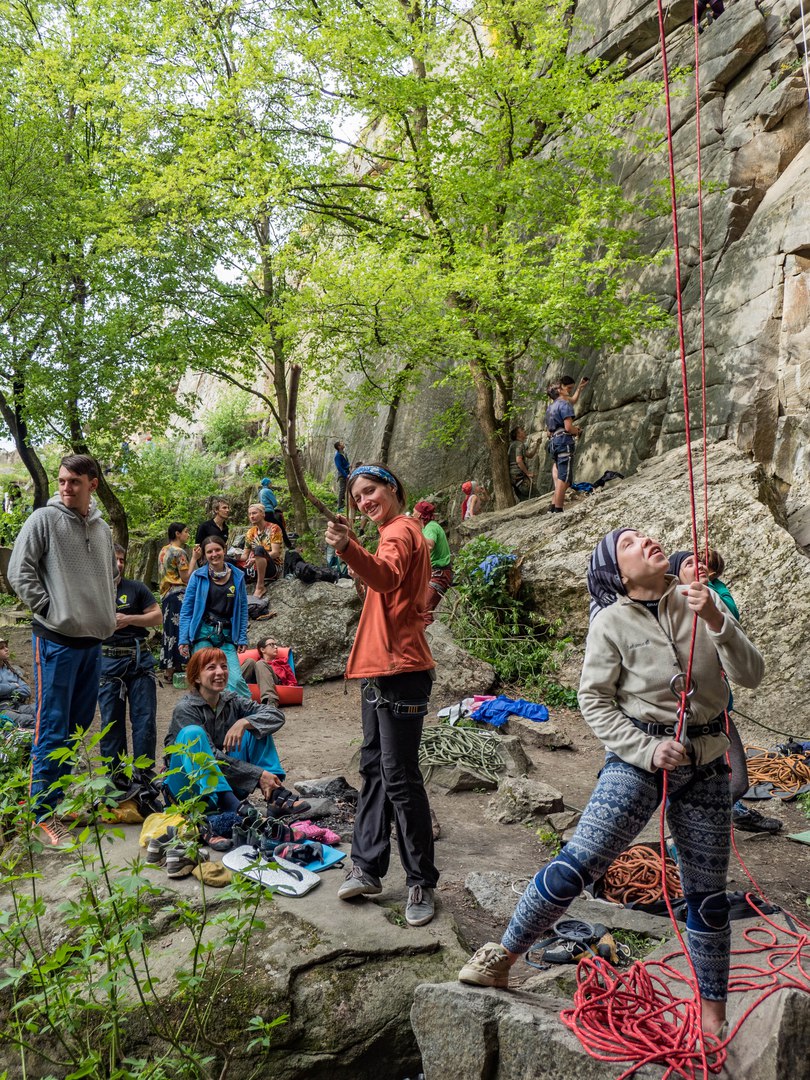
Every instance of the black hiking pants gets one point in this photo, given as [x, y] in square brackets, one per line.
[393, 710]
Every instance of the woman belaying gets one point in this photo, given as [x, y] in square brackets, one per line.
[639, 638]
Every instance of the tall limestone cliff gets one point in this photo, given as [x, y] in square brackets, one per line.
[755, 145]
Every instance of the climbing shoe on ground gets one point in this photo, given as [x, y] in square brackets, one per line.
[420, 907]
[487, 967]
[156, 846]
[359, 883]
[743, 817]
[183, 857]
[54, 835]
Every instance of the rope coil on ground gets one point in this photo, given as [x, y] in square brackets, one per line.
[788, 773]
[634, 877]
[478, 750]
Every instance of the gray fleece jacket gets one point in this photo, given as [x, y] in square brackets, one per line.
[63, 567]
[630, 658]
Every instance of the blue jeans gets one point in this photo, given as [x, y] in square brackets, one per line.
[204, 778]
[208, 638]
[65, 693]
[128, 678]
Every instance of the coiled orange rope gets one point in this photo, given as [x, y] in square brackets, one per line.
[634, 877]
[787, 773]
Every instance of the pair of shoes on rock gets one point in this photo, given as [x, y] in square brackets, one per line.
[750, 820]
[555, 509]
[183, 856]
[284, 803]
[177, 855]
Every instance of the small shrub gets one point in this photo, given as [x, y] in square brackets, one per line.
[227, 427]
[490, 618]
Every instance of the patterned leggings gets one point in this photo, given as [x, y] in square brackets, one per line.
[625, 798]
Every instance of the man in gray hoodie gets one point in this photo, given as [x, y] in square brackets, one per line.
[63, 567]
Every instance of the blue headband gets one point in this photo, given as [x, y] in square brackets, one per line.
[375, 471]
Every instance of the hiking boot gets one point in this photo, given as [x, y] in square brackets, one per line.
[359, 883]
[54, 835]
[487, 967]
[420, 907]
[743, 817]
[182, 858]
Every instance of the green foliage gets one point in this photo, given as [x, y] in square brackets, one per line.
[638, 944]
[550, 839]
[227, 427]
[491, 620]
[79, 984]
[166, 482]
[803, 801]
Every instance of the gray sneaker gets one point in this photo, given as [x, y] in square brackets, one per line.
[420, 907]
[183, 857]
[359, 883]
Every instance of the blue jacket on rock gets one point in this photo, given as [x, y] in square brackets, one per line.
[196, 600]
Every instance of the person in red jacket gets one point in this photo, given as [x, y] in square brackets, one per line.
[392, 658]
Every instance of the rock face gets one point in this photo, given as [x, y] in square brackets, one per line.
[755, 127]
[768, 576]
[344, 974]
[317, 621]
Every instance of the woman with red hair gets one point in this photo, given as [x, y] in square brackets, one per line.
[223, 746]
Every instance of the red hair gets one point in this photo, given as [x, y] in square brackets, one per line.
[200, 660]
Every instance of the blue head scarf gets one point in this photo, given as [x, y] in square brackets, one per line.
[376, 471]
[265, 481]
[604, 579]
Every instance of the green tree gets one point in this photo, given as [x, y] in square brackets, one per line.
[89, 273]
[484, 178]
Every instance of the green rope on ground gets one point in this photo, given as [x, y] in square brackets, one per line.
[445, 745]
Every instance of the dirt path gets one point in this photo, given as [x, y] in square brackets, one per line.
[322, 736]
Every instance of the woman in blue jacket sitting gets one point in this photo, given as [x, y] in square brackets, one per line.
[215, 613]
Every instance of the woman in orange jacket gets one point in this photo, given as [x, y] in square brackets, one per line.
[392, 659]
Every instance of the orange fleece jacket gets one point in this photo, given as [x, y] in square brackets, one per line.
[391, 636]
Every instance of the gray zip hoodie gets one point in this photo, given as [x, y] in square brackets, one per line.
[63, 567]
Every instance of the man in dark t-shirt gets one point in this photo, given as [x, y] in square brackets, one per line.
[128, 672]
[561, 433]
[218, 525]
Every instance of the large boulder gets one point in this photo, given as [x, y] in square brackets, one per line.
[465, 1033]
[344, 974]
[317, 621]
[458, 675]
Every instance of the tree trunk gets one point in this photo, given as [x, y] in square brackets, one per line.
[297, 500]
[15, 422]
[497, 439]
[109, 500]
[388, 430]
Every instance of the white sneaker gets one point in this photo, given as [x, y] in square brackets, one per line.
[489, 966]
